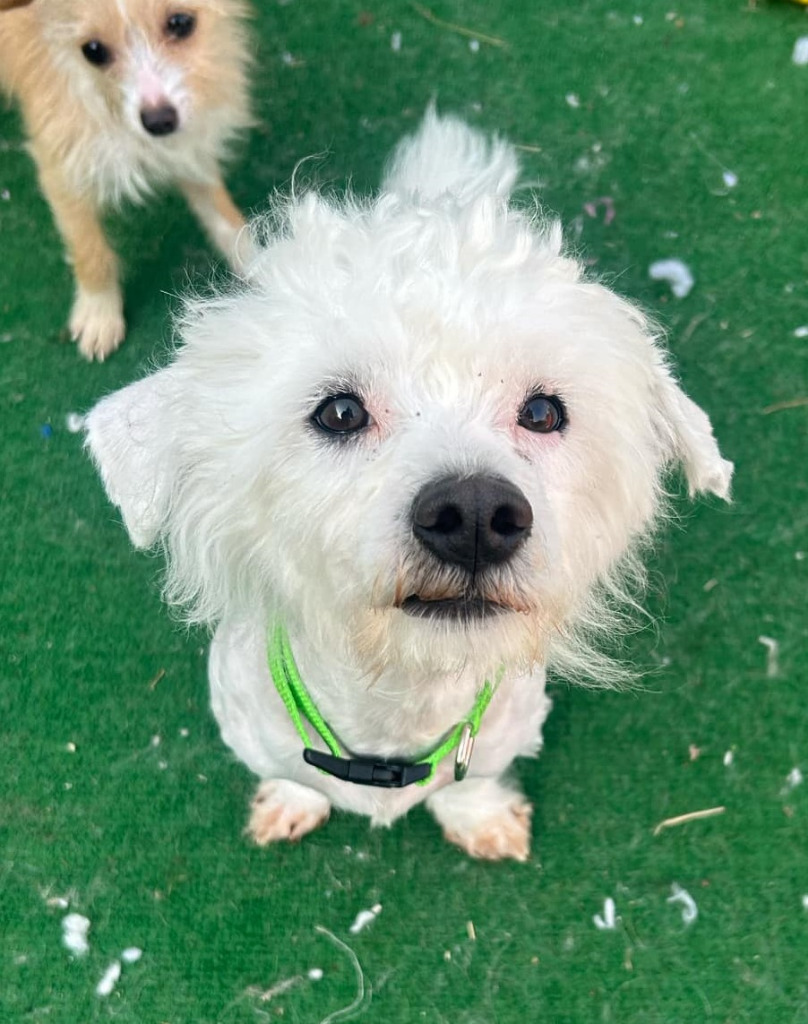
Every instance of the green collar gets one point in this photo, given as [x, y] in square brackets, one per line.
[367, 771]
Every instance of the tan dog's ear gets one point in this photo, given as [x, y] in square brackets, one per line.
[132, 444]
[7, 5]
[689, 435]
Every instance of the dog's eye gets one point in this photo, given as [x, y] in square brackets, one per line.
[542, 414]
[96, 53]
[340, 414]
[180, 25]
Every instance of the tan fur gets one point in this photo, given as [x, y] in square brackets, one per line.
[85, 136]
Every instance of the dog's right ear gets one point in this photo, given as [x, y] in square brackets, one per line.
[7, 5]
[131, 444]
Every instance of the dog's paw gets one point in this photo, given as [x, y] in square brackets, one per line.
[486, 819]
[97, 324]
[284, 810]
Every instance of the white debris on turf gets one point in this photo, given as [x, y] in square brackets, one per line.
[74, 934]
[637, 19]
[572, 100]
[676, 273]
[729, 757]
[315, 974]
[801, 332]
[800, 53]
[110, 979]
[730, 179]
[474, 45]
[772, 651]
[689, 909]
[805, 902]
[364, 918]
[794, 778]
[608, 922]
[395, 42]
[131, 955]
[74, 422]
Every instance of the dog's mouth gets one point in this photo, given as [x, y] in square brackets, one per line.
[453, 609]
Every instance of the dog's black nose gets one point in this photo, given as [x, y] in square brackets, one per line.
[159, 120]
[473, 521]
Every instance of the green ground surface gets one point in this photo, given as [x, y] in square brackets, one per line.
[146, 840]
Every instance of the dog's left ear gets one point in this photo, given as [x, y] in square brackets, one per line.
[7, 5]
[688, 434]
[131, 443]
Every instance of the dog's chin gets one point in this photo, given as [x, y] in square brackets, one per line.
[462, 611]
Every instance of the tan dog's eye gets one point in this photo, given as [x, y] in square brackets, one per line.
[542, 414]
[97, 53]
[180, 25]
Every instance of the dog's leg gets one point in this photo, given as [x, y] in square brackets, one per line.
[484, 817]
[282, 809]
[222, 220]
[96, 320]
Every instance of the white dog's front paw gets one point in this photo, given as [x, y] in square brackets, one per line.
[96, 323]
[485, 818]
[284, 810]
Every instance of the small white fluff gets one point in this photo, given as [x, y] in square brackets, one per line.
[109, 980]
[676, 273]
[395, 42]
[74, 934]
[131, 955]
[794, 778]
[573, 100]
[805, 902]
[729, 757]
[608, 922]
[730, 179]
[315, 974]
[637, 19]
[74, 422]
[474, 45]
[364, 917]
[772, 652]
[801, 332]
[800, 53]
[689, 909]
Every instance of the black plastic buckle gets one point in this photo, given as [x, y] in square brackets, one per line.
[365, 771]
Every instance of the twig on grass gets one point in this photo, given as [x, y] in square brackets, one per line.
[153, 683]
[459, 29]
[792, 403]
[358, 1002]
[682, 819]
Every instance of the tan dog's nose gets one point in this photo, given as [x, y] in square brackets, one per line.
[162, 120]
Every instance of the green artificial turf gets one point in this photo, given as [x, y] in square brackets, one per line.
[145, 837]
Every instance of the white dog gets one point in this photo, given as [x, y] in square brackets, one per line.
[414, 456]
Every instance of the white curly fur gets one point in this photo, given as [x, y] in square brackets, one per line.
[443, 308]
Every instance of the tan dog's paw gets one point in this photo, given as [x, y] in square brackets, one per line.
[284, 810]
[97, 324]
[485, 818]
[504, 835]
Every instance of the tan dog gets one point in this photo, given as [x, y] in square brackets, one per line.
[120, 97]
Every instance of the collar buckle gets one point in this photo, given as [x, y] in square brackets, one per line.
[367, 771]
